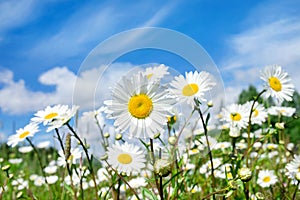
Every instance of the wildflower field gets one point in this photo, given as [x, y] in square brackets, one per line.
[161, 141]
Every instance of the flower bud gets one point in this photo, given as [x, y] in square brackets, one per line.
[6, 168]
[106, 135]
[118, 136]
[210, 104]
[280, 126]
[162, 167]
[172, 140]
[245, 174]
[157, 135]
[259, 196]
[104, 157]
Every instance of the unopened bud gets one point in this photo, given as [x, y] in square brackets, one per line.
[162, 167]
[106, 135]
[172, 140]
[104, 157]
[157, 135]
[259, 196]
[280, 126]
[210, 104]
[118, 136]
[6, 168]
[245, 174]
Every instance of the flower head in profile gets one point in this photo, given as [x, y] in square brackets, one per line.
[277, 83]
[139, 106]
[192, 86]
[266, 178]
[75, 155]
[259, 113]
[126, 158]
[54, 117]
[281, 111]
[292, 168]
[23, 133]
[235, 115]
[156, 73]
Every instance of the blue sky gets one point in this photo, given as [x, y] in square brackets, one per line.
[44, 43]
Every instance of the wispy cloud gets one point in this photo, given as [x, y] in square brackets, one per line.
[14, 13]
[272, 39]
[94, 23]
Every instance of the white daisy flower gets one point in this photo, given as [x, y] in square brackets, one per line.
[25, 149]
[277, 83]
[222, 145]
[39, 181]
[52, 179]
[205, 169]
[138, 182]
[202, 143]
[49, 114]
[281, 111]
[259, 113]
[235, 115]
[192, 86]
[75, 155]
[43, 145]
[126, 158]
[15, 160]
[22, 133]
[292, 168]
[266, 178]
[62, 119]
[139, 106]
[156, 73]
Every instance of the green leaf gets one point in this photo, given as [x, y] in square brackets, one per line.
[147, 194]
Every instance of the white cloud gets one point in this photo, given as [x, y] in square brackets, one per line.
[92, 87]
[268, 38]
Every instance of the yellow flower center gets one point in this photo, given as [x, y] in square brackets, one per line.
[267, 179]
[24, 134]
[235, 116]
[124, 158]
[140, 106]
[190, 89]
[149, 75]
[51, 115]
[255, 113]
[275, 83]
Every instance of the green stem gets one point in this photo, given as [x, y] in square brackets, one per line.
[41, 165]
[87, 157]
[296, 189]
[249, 122]
[209, 150]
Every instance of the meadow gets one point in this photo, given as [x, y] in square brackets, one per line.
[157, 150]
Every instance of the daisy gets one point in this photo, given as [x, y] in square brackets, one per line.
[126, 157]
[192, 86]
[63, 119]
[292, 168]
[49, 114]
[281, 111]
[259, 113]
[277, 83]
[138, 182]
[25, 149]
[139, 106]
[75, 155]
[235, 115]
[28, 131]
[156, 73]
[266, 178]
